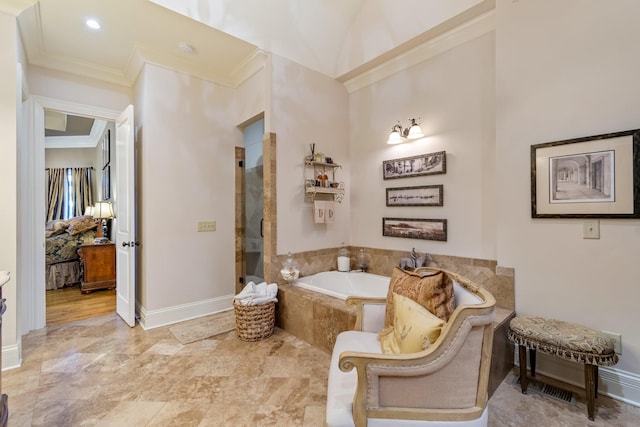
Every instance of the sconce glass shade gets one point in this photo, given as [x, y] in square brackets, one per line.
[395, 138]
[103, 210]
[415, 132]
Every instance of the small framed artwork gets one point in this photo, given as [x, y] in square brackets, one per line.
[106, 149]
[413, 228]
[106, 183]
[590, 177]
[425, 195]
[424, 164]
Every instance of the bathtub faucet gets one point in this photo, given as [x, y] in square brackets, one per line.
[414, 261]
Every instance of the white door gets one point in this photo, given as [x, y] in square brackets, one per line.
[125, 216]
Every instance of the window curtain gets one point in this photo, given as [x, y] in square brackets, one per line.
[81, 189]
[68, 192]
[55, 193]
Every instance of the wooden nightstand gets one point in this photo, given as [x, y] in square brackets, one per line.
[99, 266]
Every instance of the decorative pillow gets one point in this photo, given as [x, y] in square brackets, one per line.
[430, 289]
[79, 224]
[415, 328]
[55, 227]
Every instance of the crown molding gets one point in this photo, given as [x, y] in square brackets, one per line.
[145, 55]
[79, 141]
[410, 54]
[250, 66]
[15, 7]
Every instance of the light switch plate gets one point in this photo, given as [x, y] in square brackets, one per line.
[617, 341]
[591, 229]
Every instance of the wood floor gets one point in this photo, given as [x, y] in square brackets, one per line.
[69, 304]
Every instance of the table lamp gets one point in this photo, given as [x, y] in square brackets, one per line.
[103, 211]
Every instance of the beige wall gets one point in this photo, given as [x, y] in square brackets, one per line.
[186, 149]
[577, 77]
[70, 157]
[453, 93]
[307, 107]
[63, 86]
[8, 181]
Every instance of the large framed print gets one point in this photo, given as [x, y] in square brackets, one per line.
[589, 177]
[415, 228]
[424, 164]
[424, 195]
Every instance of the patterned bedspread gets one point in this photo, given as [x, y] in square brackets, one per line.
[64, 247]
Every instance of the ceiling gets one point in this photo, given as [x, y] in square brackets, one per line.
[214, 39]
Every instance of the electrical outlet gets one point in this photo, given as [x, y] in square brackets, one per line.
[617, 341]
[591, 229]
[206, 226]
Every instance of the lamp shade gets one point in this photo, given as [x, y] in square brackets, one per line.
[88, 211]
[415, 132]
[394, 138]
[103, 210]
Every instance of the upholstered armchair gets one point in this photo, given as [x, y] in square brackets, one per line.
[445, 384]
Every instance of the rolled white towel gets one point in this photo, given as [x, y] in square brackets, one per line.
[248, 289]
[257, 294]
[258, 301]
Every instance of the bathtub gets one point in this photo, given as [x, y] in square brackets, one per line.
[343, 284]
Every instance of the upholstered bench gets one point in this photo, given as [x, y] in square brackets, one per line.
[565, 340]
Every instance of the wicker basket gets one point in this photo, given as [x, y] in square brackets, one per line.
[255, 322]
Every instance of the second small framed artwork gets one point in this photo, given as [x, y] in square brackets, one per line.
[424, 195]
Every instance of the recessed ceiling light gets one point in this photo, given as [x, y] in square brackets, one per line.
[92, 23]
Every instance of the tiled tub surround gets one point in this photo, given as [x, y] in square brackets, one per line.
[497, 280]
[318, 319]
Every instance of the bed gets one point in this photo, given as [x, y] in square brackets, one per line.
[62, 238]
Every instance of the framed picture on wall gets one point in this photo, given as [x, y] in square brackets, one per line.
[424, 195]
[424, 164]
[106, 183]
[106, 149]
[414, 228]
[590, 177]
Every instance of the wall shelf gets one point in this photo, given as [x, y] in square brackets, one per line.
[314, 185]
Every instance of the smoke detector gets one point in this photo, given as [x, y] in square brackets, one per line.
[186, 48]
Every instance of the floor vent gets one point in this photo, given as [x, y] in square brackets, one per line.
[553, 392]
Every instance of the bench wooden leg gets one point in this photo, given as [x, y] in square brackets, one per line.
[532, 361]
[522, 357]
[590, 375]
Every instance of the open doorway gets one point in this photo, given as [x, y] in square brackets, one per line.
[79, 271]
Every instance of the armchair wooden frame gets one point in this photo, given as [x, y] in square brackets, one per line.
[461, 357]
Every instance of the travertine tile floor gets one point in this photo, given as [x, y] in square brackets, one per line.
[99, 372]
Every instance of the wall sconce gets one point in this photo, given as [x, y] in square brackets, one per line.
[399, 134]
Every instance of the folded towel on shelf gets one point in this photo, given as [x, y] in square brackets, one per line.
[261, 293]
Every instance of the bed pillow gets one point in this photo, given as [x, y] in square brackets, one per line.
[55, 227]
[80, 224]
[414, 329]
[429, 289]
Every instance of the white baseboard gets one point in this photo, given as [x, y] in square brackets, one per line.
[11, 358]
[150, 319]
[615, 383]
